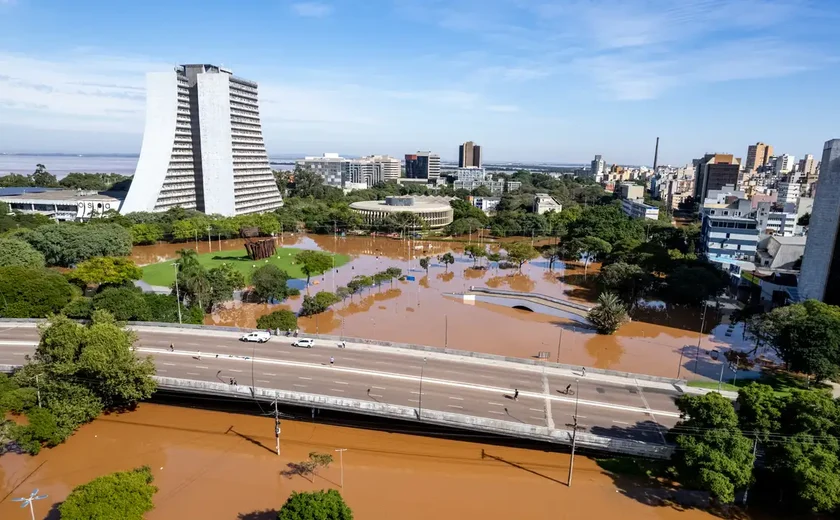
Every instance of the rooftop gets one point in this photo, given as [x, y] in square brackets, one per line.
[57, 195]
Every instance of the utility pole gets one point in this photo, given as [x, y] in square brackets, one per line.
[559, 342]
[574, 432]
[446, 332]
[341, 463]
[420, 400]
[276, 427]
[177, 293]
[209, 239]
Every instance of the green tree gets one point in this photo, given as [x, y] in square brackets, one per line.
[446, 259]
[20, 253]
[318, 303]
[126, 495]
[424, 263]
[692, 285]
[760, 410]
[109, 270]
[32, 293]
[712, 454]
[146, 234]
[520, 252]
[359, 283]
[392, 272]
[223, 280]
[124, 303]
[464, 226]
[282, 319]
[270, 282]
[79, 308]
[307, 183]
[464, 210]
[14, 180]
[628, 281]
[806, 337]
[313, 262]
[42, 430]
[68, 244]
[475, 252]
[315, 505]
[42, 178]
[609, 314]
[164, 308]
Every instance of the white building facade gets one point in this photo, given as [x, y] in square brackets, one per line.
[202, 146]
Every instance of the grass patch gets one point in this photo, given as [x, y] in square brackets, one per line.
[633, 467]
[782, 383]
[163, 273]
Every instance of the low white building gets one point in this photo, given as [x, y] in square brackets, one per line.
[543, 202]
[485, 204]
[638, 209]
[61, 205]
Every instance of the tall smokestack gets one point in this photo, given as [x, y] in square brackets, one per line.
[656, 156]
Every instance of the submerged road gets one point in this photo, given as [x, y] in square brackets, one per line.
[607, 405]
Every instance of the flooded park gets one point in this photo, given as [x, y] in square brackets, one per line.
[659, 341]
[216, 465]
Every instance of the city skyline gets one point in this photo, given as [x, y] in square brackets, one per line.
[506, 74]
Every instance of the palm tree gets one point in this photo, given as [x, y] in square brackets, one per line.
[609, 314]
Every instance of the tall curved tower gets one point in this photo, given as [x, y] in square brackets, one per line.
[202, 146]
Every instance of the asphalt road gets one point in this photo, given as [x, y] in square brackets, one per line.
[617, 409]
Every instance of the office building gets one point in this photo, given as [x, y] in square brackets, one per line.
[390, 166]
[471, 173]
[202, 146]
[808, 166]
[61, 205]
[634, 208]
[758, 155]
[820, 278]
[729, 233]
[789, 192]
[422, 165]
[364, 171]
[469, 154]
[631, 191]
[776, 218]
[784, 164]
[332, 167]
[485, 204]
[597, 168]
[713, 172]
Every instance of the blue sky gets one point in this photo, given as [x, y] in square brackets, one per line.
[549, 80]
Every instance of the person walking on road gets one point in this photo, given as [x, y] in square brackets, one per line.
[583, 371]
[199, 355]
[568, 388]
[172, 347]
[515, 394]
[332, 360]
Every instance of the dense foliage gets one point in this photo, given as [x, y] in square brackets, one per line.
[18, 252]
[126, 495]
[41, 178]
[318, 303]
[69, 244]
[313, 262]
[108, 270]
[270, 283]
[283, 319]
[205, 288]
[609, 314]
[315, 505]
[32, 293]
[77, 372]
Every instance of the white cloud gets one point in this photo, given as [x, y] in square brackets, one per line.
[312, 9]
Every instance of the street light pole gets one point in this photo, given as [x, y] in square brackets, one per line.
[700, 336]
[177, 292]
[28, 501]
[574, 431]
[209, 239]
[446, 332]
[276, 427]
[341, 463]
[420, 400]
[559, 342]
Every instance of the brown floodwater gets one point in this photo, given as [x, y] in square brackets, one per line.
[423, 311]
[216, 465]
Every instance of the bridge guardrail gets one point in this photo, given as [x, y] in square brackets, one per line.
[404, 346]
[558, 301]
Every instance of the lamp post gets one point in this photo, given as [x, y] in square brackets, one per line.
[574, 431]
[420, 400]
[28, 501]
[700, 336]
[446, 331]
[209, 239]
[341, 463]
[177, 292]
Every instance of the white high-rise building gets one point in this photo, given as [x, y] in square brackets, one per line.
[202, 146]
[785, 163]
[391, 167]
[788, 192]
[331, 166]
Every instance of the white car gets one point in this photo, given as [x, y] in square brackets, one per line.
[260, 336]
[304, 343]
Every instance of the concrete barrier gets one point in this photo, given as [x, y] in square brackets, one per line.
[407, 346]
[436, 417]
[538, 296]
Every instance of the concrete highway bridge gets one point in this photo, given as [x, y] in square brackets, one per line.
[617, 412]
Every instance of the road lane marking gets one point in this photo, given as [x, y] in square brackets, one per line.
[306, 378]
[541, 419]
[535, 409]
[336, 390]
[549, 418]
[494, 411]
[433, 381]
[267, 374]
[652, 416]
[18, 353]
[299, 386]
[495, 404]
[621, 422]
[234, 370]
[415, 392]
[193, 374]
[200, 367]
[20, 343]
[455, 406]
[262, 381]
[378, 387]
[374, 395]
[169, 364]
[457, 398]
[161, 370]
[340, 383]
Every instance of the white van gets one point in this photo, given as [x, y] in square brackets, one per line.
[260, 336]
[304, 343]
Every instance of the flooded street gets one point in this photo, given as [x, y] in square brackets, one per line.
[424, 311]
[216, 465]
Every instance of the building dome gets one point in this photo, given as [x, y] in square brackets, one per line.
[435, 211]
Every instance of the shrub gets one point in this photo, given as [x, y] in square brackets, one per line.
[282, 319]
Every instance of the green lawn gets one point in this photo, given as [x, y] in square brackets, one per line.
[163, 273]
[782, 383]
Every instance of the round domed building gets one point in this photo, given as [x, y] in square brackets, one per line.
[436, 211]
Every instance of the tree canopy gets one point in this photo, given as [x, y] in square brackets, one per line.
[126, 495]
[313, 262]
[270, 282]
[32, 293]
[315, 505]
[19, 253]
[69, 244]
[108, 270]
[283, 319]
[609, 314]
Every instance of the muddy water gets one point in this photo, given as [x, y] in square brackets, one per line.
[423, 311]
[215, 465]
